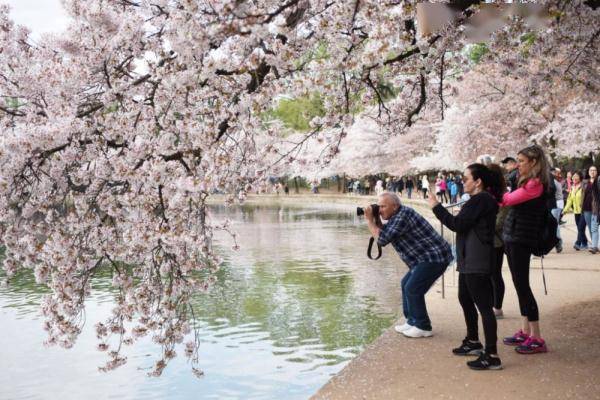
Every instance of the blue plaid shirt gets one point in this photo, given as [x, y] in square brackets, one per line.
[414, 239]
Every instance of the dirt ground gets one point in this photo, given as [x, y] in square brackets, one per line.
[395, 367]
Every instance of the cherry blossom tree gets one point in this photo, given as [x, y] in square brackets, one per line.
[115, 133]
[575, 132]
[524, 89]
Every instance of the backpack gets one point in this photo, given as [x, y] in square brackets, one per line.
[547, 239]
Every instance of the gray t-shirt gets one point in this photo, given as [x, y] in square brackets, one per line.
[558, 195]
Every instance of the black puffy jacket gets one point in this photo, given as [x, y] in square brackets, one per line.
[475, 227]
[524, 222]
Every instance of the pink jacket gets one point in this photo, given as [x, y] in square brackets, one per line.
[531, 190]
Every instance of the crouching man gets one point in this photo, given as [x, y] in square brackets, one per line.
[424, 251]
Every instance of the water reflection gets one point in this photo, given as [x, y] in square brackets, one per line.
[291, 308]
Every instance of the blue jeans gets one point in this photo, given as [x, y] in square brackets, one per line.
[417, 281]
[591, 221]
[594, 228]
[556, 214]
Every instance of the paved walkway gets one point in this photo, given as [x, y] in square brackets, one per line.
[395, 367]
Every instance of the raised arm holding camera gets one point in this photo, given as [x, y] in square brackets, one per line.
[424, 251]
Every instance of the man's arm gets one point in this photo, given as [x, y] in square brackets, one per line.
[373, 227]
[393, 229]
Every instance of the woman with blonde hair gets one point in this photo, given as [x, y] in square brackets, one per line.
[522, 228]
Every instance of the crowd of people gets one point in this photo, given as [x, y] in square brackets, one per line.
[504, 211]
[572, 192]
[448, 187]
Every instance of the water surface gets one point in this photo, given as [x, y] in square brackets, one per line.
[290, 309]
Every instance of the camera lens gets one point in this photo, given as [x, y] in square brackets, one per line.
[360, 211]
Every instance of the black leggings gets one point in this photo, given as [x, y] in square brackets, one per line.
[497, 281]
[519, 258]
[476, 290]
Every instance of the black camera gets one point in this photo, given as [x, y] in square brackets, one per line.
[361, 211]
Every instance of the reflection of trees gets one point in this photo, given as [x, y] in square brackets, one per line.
[301, 285]
[24, 293]
[293, 302]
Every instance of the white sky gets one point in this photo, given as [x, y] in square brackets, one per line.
[40, 16]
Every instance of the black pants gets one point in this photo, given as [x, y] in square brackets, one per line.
[519, 258]
[476, 290]
[497, 281]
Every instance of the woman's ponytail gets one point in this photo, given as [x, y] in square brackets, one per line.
[491, 177]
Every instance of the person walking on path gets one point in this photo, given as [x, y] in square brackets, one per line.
[522, 229]
[443, 188]
[475, 228]
[424, 251]
[400, 184]
[590, 206]
[459, 184]
[574, 204]
[595, 220]
[453, 189]
[410, 185]
[424, 186]
[556, 203]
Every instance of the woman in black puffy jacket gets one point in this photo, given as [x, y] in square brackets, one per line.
[522, 229]
[475, 228]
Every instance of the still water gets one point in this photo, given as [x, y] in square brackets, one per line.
[290, 309]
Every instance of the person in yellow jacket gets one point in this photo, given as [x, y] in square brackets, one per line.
[574, 204]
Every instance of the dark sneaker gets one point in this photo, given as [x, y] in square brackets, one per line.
[468, 348]
[485, 361]
[532, 346]
[517, 339]
[559, 247]
[593, 250]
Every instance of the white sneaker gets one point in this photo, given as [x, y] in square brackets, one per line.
[415, 332]
[402, 328]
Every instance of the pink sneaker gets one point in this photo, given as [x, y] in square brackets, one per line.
[532, 345]
[517, 339]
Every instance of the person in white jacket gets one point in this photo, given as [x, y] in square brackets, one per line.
[424, 185]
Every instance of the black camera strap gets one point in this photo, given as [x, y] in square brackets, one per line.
[370, 249]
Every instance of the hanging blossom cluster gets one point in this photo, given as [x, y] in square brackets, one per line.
[115, 133]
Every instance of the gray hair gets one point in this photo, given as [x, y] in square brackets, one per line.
[392, 196]
[485, 159]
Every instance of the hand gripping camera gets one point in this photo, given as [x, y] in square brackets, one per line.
[361, 211]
